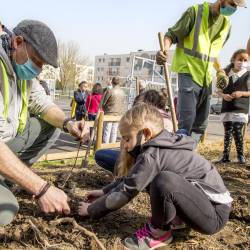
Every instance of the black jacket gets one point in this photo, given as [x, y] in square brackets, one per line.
[166, 152]
[240, 105]
[80, 98]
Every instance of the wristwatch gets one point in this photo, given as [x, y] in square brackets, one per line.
[65, 122]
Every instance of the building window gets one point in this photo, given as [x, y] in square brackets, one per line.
[100, 60]
[127, 59]
[115, 62]
[103, 60]
[98, 69]
[113, 71]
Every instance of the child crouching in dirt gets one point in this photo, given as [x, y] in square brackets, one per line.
[235, 104]
[108, 158]
[179, 180]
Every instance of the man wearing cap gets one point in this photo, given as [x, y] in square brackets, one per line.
[200, 35]
[23, 139]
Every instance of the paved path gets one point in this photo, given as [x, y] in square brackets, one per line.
[66, 143]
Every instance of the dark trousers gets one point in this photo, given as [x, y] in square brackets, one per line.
[193, 106]
[170, 194]
[35, 140]
[91, 117]
[106, 158]
[233, 130]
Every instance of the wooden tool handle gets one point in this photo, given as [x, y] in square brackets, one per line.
[168, 84]
[161, 40]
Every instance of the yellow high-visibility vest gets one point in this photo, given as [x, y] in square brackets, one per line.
[22, 85]
[197, 52]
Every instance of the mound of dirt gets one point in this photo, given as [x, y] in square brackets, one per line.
[32, 229]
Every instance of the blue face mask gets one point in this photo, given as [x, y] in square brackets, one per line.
[26, 71]
[227, 10]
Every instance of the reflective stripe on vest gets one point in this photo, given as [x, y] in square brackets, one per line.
[22, 85]
[193, 52]
[23, 115]
[196, 53]
[6, 91]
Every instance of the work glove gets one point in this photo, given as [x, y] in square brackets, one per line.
[161, 57]
[222, 79]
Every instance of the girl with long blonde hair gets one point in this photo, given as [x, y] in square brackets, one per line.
[178, 179]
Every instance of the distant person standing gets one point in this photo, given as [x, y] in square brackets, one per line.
[93, 101]
[80, 96]
[113, 104]
[200, 34]
[235, 104]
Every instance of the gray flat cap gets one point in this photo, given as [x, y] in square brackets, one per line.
[41, 38]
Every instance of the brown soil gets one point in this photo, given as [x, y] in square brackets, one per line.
[112, 229]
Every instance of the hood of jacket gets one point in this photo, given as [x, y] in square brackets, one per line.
[171, 141]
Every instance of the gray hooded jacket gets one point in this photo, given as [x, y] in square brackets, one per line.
[166, 152]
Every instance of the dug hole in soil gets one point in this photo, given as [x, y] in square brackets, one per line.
[112, 229]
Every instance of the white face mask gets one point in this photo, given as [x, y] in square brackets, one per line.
[239, 65]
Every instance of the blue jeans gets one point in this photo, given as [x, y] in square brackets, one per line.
[106, 158]
[193, 106]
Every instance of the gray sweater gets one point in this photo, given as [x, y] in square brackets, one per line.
[166, 152]
[39, 102]
[113, 101]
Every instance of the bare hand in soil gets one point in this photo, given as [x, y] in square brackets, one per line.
[83, 208]
[93, 195]
[54, 200]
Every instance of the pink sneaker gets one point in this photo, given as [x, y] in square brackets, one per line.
[147, 238]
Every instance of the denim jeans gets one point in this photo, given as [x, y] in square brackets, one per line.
[193, 106]
[106, 158]
[110, 132]
[171, 195]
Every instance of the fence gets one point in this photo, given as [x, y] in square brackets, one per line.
[99, 133]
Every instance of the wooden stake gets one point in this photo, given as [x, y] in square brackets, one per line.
[168, 84]
[99, 131]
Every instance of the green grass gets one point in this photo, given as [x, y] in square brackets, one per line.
[64, 162]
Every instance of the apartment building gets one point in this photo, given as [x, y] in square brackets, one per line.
[140, 64]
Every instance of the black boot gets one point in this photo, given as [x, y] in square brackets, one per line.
[224, 159]
[228, 137]
[241, 159]
[238, 138]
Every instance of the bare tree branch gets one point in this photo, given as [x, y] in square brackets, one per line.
[69, 57]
